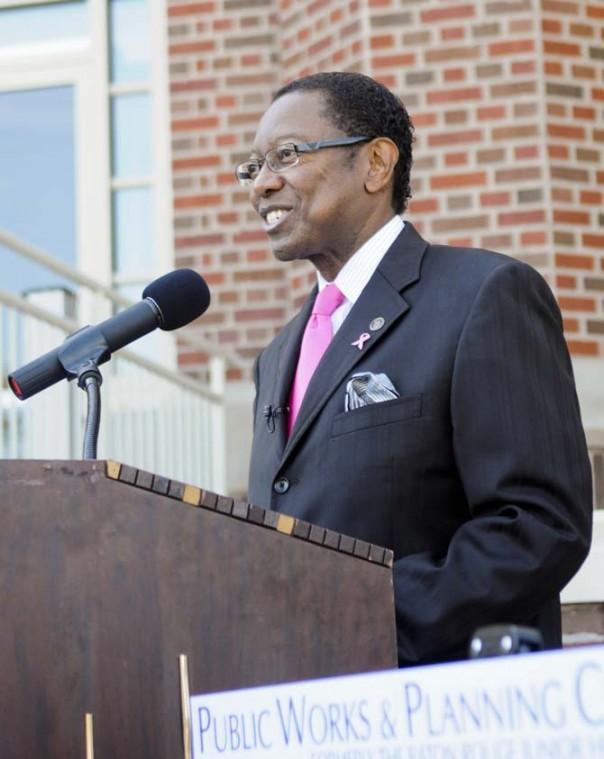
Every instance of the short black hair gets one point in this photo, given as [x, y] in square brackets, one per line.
[358, 105]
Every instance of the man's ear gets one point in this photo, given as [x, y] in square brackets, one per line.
[383, 157]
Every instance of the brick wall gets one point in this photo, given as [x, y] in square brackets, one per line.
[508, 101]
[224, 66]
[573, 55]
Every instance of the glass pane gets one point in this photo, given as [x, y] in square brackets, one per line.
[134, 252]
[129, 40]
[131, 135]
[43, 23]
[37, 181]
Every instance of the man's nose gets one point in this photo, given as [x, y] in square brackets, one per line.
[266, 181]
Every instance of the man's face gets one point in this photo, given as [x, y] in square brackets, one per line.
[318, 208]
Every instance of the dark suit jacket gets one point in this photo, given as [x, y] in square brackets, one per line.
[477, 477]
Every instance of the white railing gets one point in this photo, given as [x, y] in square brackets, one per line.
[152, 417]
[596, 455]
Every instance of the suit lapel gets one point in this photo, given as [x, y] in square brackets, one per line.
[286, 364]
[399, 268]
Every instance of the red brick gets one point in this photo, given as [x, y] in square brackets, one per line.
[557, 151]
[228, 217]
[514, 218]
[593, 241]
[424, 205]
[424, 119]
[491, 112]
[443, 14]
[560, 6]
[199, 46]
[196, 162]
[570, 324]
[224, 140]
[385, 61]
[454, 138]
[257, 256]
[190, 9]
[258, 314]
[199, 240]
[454, 95]
[454, 75]
[584, 113]
[494, 199]
[250, 235]
[447, 181]
[562, 194]
[554, 68]
[511, 47]
[570, 303]
[524, 67]
[566, 282]
[551, 26]
[198, 201]
[522, 152]
[552, 47]
[584, 72]
[592, 198]
[595, 11]
[568, 261]
[571, 217]
[384, 40]
[222, 24]
[582, 30]
[533, 238]
[453, 33]
[566, 131]
[583, 347]
[192, 85]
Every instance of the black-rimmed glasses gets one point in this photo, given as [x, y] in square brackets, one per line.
[287, 155]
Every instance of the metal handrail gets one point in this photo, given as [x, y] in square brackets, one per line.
[38, 256]
[69, 325]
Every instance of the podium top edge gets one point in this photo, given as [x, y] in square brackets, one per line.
[198, 497]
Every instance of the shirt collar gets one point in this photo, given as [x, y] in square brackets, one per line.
[358, 270]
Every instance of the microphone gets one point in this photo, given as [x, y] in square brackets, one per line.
[272, 413]
[169, 302]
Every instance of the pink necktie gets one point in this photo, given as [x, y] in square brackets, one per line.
[317, 336]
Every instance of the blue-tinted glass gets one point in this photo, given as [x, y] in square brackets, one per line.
[131, 135]
[133, 222]
[130, 40]
[43, 23]
[37, 180]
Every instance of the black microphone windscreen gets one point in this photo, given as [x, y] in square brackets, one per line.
[181, 296]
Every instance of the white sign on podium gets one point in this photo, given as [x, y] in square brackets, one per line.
[533, 706]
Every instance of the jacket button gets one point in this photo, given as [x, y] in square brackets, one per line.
[281, 485]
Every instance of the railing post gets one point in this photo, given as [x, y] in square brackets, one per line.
[218, 431]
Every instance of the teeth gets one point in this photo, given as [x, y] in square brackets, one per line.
[273, 217]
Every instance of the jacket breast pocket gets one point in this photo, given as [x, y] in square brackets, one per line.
[377, 414]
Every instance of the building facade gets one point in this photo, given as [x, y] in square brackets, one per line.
[121, 122]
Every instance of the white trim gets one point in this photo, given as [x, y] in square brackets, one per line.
[6, 4]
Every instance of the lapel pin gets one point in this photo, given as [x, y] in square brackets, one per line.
[362, 339]
[376, 323]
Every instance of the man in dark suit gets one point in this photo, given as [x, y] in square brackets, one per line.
[472, 467]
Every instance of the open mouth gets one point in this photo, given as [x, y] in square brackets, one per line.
[274, 218]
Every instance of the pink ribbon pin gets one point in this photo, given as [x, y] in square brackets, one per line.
[361, 340]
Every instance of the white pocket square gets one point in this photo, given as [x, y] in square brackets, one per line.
[365, 388]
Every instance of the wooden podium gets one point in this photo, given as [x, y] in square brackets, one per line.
[109, 573]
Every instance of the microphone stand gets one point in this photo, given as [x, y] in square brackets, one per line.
[80, 356]
[90, 380]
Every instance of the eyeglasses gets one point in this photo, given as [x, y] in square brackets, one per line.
[287, 155]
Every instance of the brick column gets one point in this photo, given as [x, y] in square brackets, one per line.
[508, 101]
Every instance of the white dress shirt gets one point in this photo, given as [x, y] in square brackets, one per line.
[358, 270]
